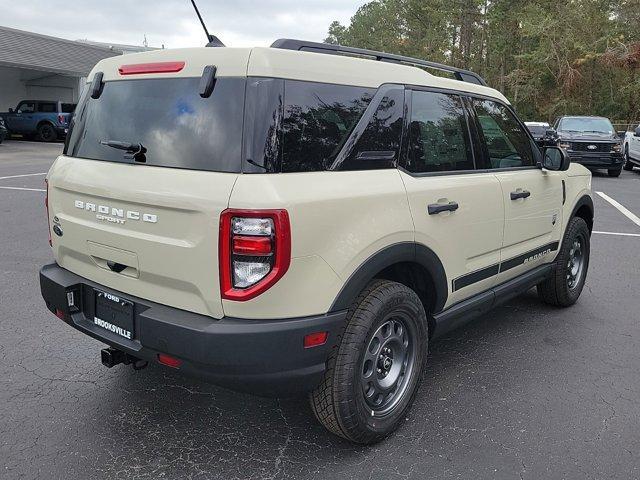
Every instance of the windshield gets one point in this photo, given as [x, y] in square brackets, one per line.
[176, 127]
[586, 125]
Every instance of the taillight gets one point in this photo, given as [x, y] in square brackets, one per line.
[155, 67]
[46, 206]
[61, 119]
[254, 251]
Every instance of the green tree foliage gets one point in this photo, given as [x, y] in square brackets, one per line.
[549, 57]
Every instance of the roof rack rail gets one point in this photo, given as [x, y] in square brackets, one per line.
[327, 48]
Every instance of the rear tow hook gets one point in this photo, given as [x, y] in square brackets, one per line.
[112, 356]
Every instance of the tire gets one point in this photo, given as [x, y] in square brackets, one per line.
[628, 166]
[564, 286]
[46, 133]
[340, 403]
[614, 172]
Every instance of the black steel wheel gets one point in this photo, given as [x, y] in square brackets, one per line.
[570, 269]
[388, 363]
[46, 133]
[376, 365]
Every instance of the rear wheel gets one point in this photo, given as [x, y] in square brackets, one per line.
[564, 286]
[628, 166]
[374, 371]
[46, 133]
[614, 172]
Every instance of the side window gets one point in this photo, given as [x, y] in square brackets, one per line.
[378, 145]
[318, 118]
[507, 143]
[438, 134]
[27, 107]
[46, 107]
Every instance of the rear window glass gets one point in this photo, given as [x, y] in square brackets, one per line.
[318, 118]
[68, 107]
[176, 126]
[537, 129]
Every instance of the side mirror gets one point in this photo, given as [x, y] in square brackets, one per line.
[11, 110]
[550, 132]
[637, 132]
[555, 159]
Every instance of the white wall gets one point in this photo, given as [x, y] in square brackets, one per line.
[19, 84]
[12, 90]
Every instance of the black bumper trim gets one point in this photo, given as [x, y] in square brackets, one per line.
[597, 160]
[264, 357]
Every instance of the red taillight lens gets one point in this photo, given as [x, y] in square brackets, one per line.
[61, 119]
[251, 245]
[46, 206]
[315, 339]
[254, 251]
[156, 67]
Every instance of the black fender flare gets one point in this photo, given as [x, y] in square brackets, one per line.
[582, 201]
[396, 253]
[43, 122]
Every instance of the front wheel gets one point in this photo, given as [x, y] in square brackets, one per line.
[614, 172]
[374, 370]
[564, 286]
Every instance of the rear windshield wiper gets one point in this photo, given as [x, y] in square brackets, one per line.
[136, 150]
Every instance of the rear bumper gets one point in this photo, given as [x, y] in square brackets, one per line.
[597, 160]
[264, 357]
[61, 131]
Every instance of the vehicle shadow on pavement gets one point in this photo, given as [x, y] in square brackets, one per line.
[180, 425]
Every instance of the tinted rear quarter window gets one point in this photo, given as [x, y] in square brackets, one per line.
[168, 117]
[318, 119]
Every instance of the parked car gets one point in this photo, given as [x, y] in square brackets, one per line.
[45, 120]
[592, 142]
[295, 221]
[631, 149]
[3, 131]
[542, 133]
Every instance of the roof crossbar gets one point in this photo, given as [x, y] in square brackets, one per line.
[327, 48]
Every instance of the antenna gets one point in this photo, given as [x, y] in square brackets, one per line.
[212, 39]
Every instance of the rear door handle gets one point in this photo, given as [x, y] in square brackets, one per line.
[520, 194]
[436, 208]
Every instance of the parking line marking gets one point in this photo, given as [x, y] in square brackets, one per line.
[22, 188]
[20, 176]
[618, 233]
[627, 213]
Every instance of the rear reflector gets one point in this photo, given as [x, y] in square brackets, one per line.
[315, 339]
[60, 314]
[156, 67]
[169, 361]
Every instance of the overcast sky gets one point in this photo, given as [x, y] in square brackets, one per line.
[238, 23]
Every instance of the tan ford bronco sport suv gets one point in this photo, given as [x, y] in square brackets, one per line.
[304, 218]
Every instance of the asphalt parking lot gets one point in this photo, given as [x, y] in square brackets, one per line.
[527, 391]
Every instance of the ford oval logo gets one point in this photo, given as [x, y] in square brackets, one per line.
[592, 147]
